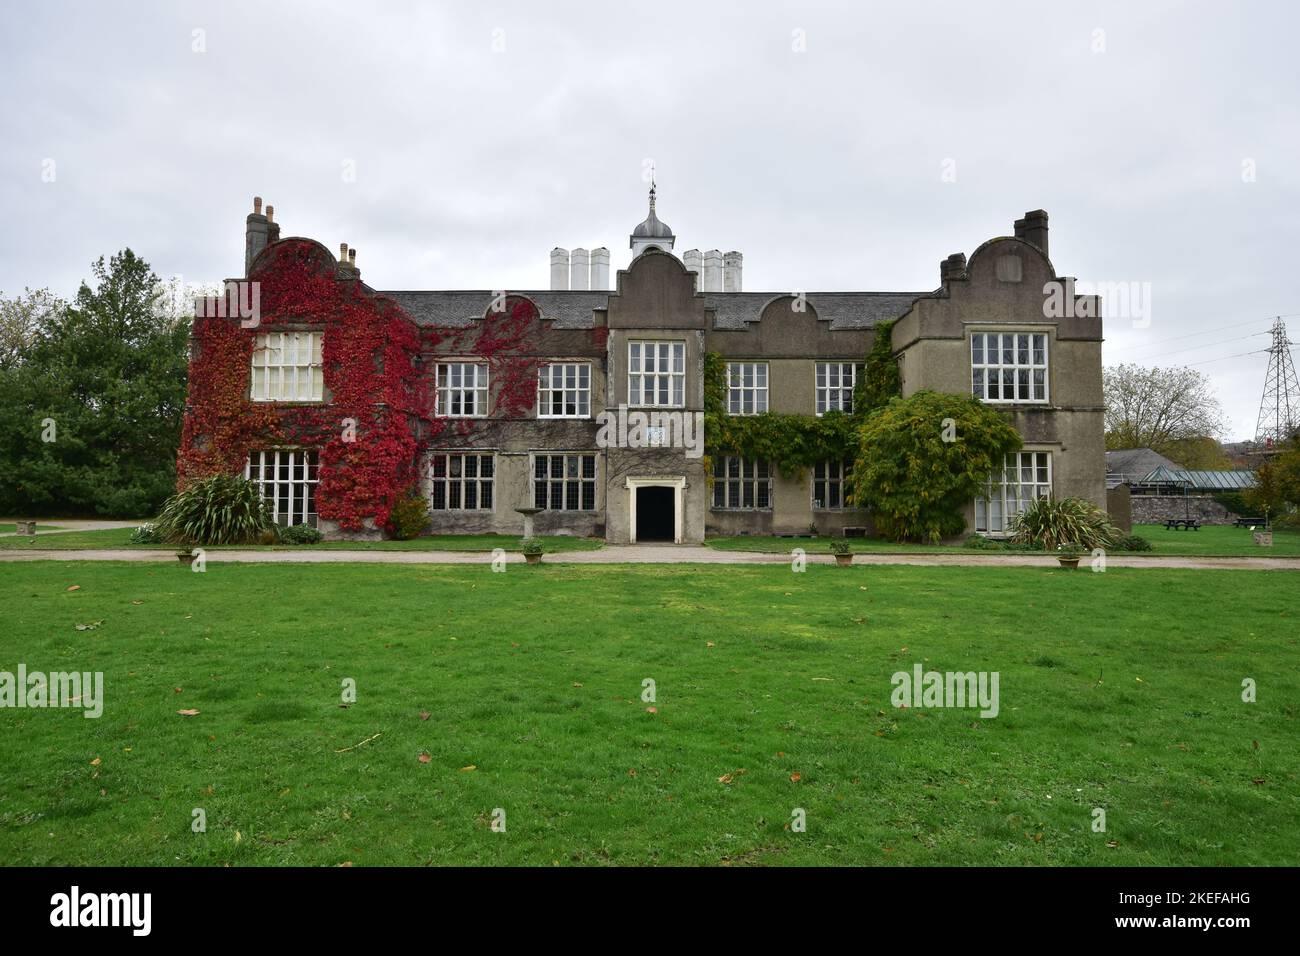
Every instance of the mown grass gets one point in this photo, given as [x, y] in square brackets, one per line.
[1119, 690]
[115, 538]
[1209, 541]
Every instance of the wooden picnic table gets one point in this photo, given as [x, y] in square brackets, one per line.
[1183, 524]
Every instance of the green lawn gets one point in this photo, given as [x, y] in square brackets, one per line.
[1210, 540]
[1119, 690]
[121, 538]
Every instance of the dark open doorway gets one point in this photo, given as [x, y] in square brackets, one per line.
[654, 514]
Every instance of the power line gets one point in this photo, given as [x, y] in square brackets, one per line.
[1222, 328]
[1193, 348]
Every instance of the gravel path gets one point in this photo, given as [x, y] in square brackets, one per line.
[641, 554]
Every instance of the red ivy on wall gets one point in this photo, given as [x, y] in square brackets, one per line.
[372, 374]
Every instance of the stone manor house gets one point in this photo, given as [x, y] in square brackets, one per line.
[983, 330]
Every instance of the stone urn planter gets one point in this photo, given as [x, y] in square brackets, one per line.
[844, 560]
[186, 557]
[533, 558]
[1068, 561]
[843, 553]
[532, 551]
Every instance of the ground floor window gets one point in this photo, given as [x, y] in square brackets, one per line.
[1024, 477]
[564, 482]
[287, 479]
[741, 483]
[460, 481]
[830, 482]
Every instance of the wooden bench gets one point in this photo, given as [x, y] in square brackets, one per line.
[1250, 522]
[1183, 524]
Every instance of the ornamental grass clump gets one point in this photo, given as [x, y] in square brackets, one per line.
[219, 509]
[1064, 524]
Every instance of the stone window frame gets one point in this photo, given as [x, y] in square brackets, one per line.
[271, 361]
[581, 482]
[737, 391]
[581, 393]
[824, 390]
[446, 392]
[447, 480]
[303, 465]
[1022, 374]
[675, 379]
[1013, 489]
[733, 476]
[837, 481]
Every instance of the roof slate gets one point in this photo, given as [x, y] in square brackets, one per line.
[733, 310]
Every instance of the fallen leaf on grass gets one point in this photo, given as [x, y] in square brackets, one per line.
[796, 777]
[177, 690]
[728, 777]
[425, 758]
[652, 710]
[95, 762]
[188, 713]
[346, 863]
[425, 715]
[137, 603]
[1112, 843]
[89, 626]
[239, 837]
[468, 769]
[74, 587]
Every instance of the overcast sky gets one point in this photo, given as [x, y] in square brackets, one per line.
[838, 146]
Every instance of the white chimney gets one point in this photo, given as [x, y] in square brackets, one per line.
[711, 276]
[559, 268]
[579, 262]
[731, 264]
[600, 269]
[693, 262]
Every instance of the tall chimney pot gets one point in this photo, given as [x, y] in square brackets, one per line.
[559, 269]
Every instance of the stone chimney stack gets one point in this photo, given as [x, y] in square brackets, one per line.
[272, 227]
[731, 266]
[559, 268]
[600, 269]
[1033, 229]
[711, 275]
[579, 266]
[352, 261]
[694, 262]
[954, 267]
[256, 233]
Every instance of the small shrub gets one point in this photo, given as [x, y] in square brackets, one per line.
[409, 517]
[978, 542]
[300, 534]
[1053, 522]
[1133, 542]
[268, 537]
[841, 546]
[530, 546]
[219, 509]
[146, 534]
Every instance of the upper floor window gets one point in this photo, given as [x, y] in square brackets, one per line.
[564, 390]
[835, 381]
[287, 367]
[564, 482]
[463, 389]
[1009, 366]
[741, 483]
[461, 482]
[1025, 476]
[830, 480]
[746, 388]
[656, 374]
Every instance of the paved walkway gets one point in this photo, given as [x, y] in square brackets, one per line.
[60, 526]
[640, 554]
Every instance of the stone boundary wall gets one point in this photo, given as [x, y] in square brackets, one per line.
[1157, 509]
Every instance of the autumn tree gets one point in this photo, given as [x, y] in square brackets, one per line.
[1169, 410]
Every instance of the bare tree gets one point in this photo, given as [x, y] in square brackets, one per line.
[1159, 408]
[21, 319]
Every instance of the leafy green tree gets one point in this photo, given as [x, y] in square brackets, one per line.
[924, 458]
[92, 414]
[881, 380]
